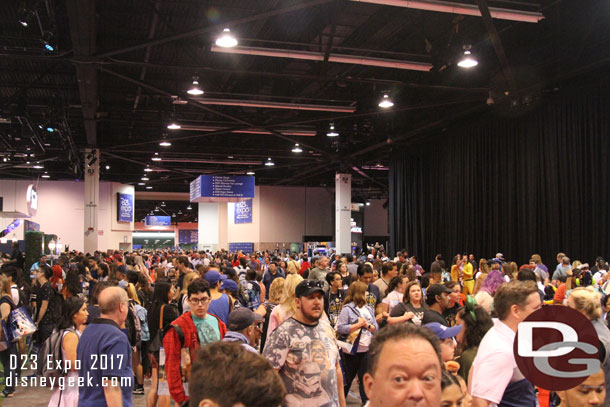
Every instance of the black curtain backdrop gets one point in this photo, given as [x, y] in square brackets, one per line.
[534, 184]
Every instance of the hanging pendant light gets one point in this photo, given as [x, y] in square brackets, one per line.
[226, 39]
[386, 103]
[195, 90]
[468, 60]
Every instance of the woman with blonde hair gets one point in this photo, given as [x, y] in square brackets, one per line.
[183, 304]
[287, 306]
[481, 275]
[275, 296]
[136, 359]
[8, 348]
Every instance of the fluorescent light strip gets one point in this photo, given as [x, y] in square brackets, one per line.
[460, 8]
[316, 56]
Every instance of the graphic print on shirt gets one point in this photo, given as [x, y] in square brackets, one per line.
[302, 355]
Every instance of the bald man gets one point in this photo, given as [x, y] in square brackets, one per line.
[105, 355]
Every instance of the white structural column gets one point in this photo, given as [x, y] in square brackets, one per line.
[211, 217]
[343, 205]
[92, 198]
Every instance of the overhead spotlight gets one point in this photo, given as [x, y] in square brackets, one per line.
[149, 187]
[195, 90]
[107, 167]
[24, 17]
[37, 166]
[226, 39]
[48, 41]
[156, 157]
[141, 183]
[189, 208]
[386, 103]
[467, 60]
[332, 132]
[156, 209]
[147, 169]
[269, 162]
[163, 204]
[297, 149]
[174, 215]
[145, 179]
[180, 212]
[50, 129]
[45, 175]
[368, 204]
[250, 173]
[173, 125]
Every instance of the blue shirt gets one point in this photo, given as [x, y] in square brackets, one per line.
[208, 330]
[220, 307]
[104, 352]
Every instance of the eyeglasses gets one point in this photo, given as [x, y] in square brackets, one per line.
[201, 301]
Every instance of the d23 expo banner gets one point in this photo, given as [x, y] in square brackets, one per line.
[125, 207]
[243, 211]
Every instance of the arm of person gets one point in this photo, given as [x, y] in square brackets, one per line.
[489, 378]
[43, 310]
[345, 326]
[171, 344]
[385, 307]
[113, 395]
[69, 344]
[478, 402]
[407, 316]
[340, 385]
[261, 310]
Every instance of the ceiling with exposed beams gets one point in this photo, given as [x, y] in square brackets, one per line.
[119, 71]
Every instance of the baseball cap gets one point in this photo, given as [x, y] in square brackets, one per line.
[212, 277]
[241, 318]
[437, 289]
[308, 287]
[500, 256]
[442, 331]
[228, 285]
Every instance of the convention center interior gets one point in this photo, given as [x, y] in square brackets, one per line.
[303, 203]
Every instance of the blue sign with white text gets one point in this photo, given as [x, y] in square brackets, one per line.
[125, 207]
[243, 211]
[222, 186]
[158, 220]
[188, 236]
[244, 247]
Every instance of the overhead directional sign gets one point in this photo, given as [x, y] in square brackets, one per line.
[222, 188]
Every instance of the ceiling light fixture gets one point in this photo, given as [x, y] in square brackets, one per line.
[250, 173]
[386, 103]
[174, 215]
[156, 209]
[147, 169]
[180, 212]
[37, 166]
[156, 158]
[149, 187]
[141, 183]
[368, 204]
[45, 175]
[145, 179]
[164, 143]
[50, 129]
[297, 149]
[467, 60]
[173, 125]
[332, 132]
[226, 39]
[48, 42]
[195, 90]
[189, 207]
[269, 162]
[163, 204]
[107, 167]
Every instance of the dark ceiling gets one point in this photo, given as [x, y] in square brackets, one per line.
[118, 67]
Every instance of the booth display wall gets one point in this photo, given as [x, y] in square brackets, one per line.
[61, 210]
[533, 184]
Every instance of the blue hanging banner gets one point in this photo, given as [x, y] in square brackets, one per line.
[244, 247]
[188, 236]
[221, 188]
[158, 221]
[125, 207]
[243, 211]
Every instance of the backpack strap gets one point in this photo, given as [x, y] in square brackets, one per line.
[180, 334]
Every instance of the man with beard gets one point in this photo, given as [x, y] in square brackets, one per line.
[304, 352]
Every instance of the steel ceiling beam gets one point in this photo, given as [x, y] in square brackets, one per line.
[194, 102]
[81, 15]
[215, 28]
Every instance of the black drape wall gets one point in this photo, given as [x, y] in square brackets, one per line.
[534, 184]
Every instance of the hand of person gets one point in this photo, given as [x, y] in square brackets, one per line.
[385, 315]
[409, 315]
[362, 322]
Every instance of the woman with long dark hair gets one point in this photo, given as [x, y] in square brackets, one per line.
[412, 307]
[163, 294]
[476, 323]
[72, 322]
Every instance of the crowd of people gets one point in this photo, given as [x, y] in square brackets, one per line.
[271, 328]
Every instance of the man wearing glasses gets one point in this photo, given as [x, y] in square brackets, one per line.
[245, 328]
[192, 329]
[304, 352]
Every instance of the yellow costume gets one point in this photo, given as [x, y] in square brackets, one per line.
[468, 278]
